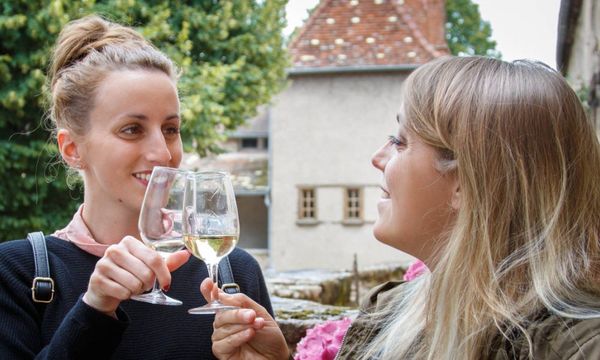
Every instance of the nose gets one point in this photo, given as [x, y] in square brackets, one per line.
[157, 151]
[380, 157]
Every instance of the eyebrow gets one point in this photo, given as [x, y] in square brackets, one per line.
[144, 117]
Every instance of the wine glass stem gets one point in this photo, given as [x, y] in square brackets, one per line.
[155, 287]
[213, 273]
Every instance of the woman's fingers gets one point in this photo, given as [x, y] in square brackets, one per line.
[127, 268]
[155, 264]
[229, 330]
[177, 259]
[118, 263]
[123, 277]
[209, 290]
[224, 319]
[225, 345]
[242, 301]
[109, 287]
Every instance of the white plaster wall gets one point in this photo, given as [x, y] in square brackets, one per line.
[324, 130]
[253, 222]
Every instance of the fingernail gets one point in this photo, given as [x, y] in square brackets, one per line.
[166, 288]
[247, 315]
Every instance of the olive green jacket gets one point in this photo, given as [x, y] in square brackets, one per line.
[553, 337]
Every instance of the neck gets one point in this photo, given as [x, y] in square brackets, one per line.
[109, 227]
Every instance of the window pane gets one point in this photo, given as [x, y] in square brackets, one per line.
[249, 143]
[353, 205]
[306, 204]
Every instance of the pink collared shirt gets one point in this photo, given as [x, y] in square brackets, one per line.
[78, 233]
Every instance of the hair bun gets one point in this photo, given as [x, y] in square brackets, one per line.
[82, 36]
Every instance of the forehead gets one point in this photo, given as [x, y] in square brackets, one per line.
[401, 119]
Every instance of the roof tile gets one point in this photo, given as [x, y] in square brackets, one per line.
[371, 33]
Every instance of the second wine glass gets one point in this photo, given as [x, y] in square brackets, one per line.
[210, 225]
[160, 222]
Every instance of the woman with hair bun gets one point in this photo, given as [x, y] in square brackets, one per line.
[115, 107]
[491, 181]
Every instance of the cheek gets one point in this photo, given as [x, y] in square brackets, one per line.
[176, 150]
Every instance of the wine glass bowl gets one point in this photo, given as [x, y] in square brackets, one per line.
[210, 224]
[160, 221]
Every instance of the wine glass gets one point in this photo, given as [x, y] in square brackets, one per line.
[210, 225]
[160, 222]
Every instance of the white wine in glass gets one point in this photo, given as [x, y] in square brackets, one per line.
[210, 225]
[160, 222]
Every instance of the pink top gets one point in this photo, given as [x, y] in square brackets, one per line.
[78, 233]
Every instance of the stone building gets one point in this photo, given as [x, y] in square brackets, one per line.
[578, 50]
[307, 192]
[349, 61]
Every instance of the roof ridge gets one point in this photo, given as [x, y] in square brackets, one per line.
[311, 18]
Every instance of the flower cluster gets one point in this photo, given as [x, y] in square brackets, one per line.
[414, 270]
[323, 341]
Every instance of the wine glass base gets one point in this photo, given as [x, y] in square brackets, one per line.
[211, 308]
[157, 297]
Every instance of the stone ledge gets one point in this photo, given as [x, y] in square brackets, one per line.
[295, 316]
[330, 287]
[322, 286]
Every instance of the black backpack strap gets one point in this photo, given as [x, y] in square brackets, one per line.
[226, 276]
[42, 288]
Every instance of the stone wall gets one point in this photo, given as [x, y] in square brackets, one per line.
[302, 299]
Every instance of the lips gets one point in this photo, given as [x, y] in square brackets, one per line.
[143, 177]
[385, 194]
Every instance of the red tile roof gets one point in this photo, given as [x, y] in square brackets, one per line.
[371, 32]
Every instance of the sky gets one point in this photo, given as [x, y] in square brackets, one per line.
[522, 29]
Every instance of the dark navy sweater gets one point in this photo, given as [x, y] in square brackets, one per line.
[69, 329]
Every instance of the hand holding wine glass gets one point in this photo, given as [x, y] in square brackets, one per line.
[210, 224]
[160, 222]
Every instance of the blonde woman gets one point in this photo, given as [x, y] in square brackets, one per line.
[493, 181]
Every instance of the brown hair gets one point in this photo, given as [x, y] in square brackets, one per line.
[87, 50]
[527, 234]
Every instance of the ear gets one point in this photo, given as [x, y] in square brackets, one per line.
[455, 199]
[68, 149]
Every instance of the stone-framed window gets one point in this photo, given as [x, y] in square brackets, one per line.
[353, 204]
[307, 204]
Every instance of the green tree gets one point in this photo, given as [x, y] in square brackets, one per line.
[232, 59]
[466, 32]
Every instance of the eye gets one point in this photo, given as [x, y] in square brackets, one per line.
[129, 130]
[396, 141]
[171, 130]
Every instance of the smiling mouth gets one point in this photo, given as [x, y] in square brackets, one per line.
[142, 176]
[385, 194]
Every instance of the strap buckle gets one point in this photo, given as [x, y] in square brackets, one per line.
[231, 288]
[35, 291]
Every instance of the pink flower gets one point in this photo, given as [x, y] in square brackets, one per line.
[323, 341]
[414, 270]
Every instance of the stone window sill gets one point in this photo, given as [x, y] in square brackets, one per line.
[353, 222]
[307, 222]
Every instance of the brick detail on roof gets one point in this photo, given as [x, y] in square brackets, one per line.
[371, 32]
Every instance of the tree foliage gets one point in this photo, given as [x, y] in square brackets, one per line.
[466, 32]
[230, 53]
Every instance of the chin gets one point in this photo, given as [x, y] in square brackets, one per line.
[386, 238]
[379, 233]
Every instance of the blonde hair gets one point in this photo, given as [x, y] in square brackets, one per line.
[527, 234]
[86, 51]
